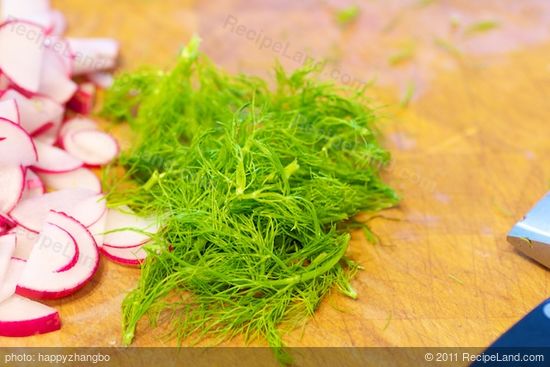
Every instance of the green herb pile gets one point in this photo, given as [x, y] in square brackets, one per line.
[256, 188]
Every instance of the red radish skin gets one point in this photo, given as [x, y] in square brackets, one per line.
[12, 184]
[21, 317]
[82, 101]
[41, 283]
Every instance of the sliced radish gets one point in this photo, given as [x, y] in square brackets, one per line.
[125, 256]
[19, 9]
[59, 23]
[54, 160]
[4, 82]
[33, 186]
[16, 146]
[25, 242]
[83, 100]
[7, 248]
[102, 79]
[6, 225]
[93, 54]
[35, 112]
[40, 280]
[55, 81]
[76, 124]
[55, 250]
[21, 317]
[98, 229]
[24, 66]
[126, 230]
[80, 178]
[12, 184]
[9, 110]
[93, 147]
[8, 285]
[86, 206]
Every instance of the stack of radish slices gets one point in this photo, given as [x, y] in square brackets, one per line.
[54, 221]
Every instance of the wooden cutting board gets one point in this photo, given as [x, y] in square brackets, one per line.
[471, 155]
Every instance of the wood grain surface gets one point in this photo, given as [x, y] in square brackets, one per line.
[471, 155]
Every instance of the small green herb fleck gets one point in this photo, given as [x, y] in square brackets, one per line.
[348, 15]
[481, 27]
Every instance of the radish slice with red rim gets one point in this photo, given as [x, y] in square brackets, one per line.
[83, 100]
[132, 256]
[6, 225]
[102, 79]
[80, 178]
[8, 285]
[33, 186]
[7, 248]
[9, 110]
[24, 243]
[54, 160]
[98, 229]
[86, 206]
[55, 81]
[93, 147]
[16, 146]
[126, 230]
[35, 112]
[93, 54]
[12, 184]
[55, 249]
[20, 317]
[39, 280]
[76, 124]
[23, 67]
[59, 23]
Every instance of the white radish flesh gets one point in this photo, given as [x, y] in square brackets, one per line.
[93, 54]
[35, 112]
[54, 160]
[12, 185]
[7, 248]
[81, 178]
[16, 146]
[25, 242]
[55, 81]
[126, 256]
[33, 185]
[23, 67]
[125, 229]
[77, 124]
[98, 229]
[8, 285]
[93, 147]
[85, 206]
[40, 281]
[9, 110]
[21, 317]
